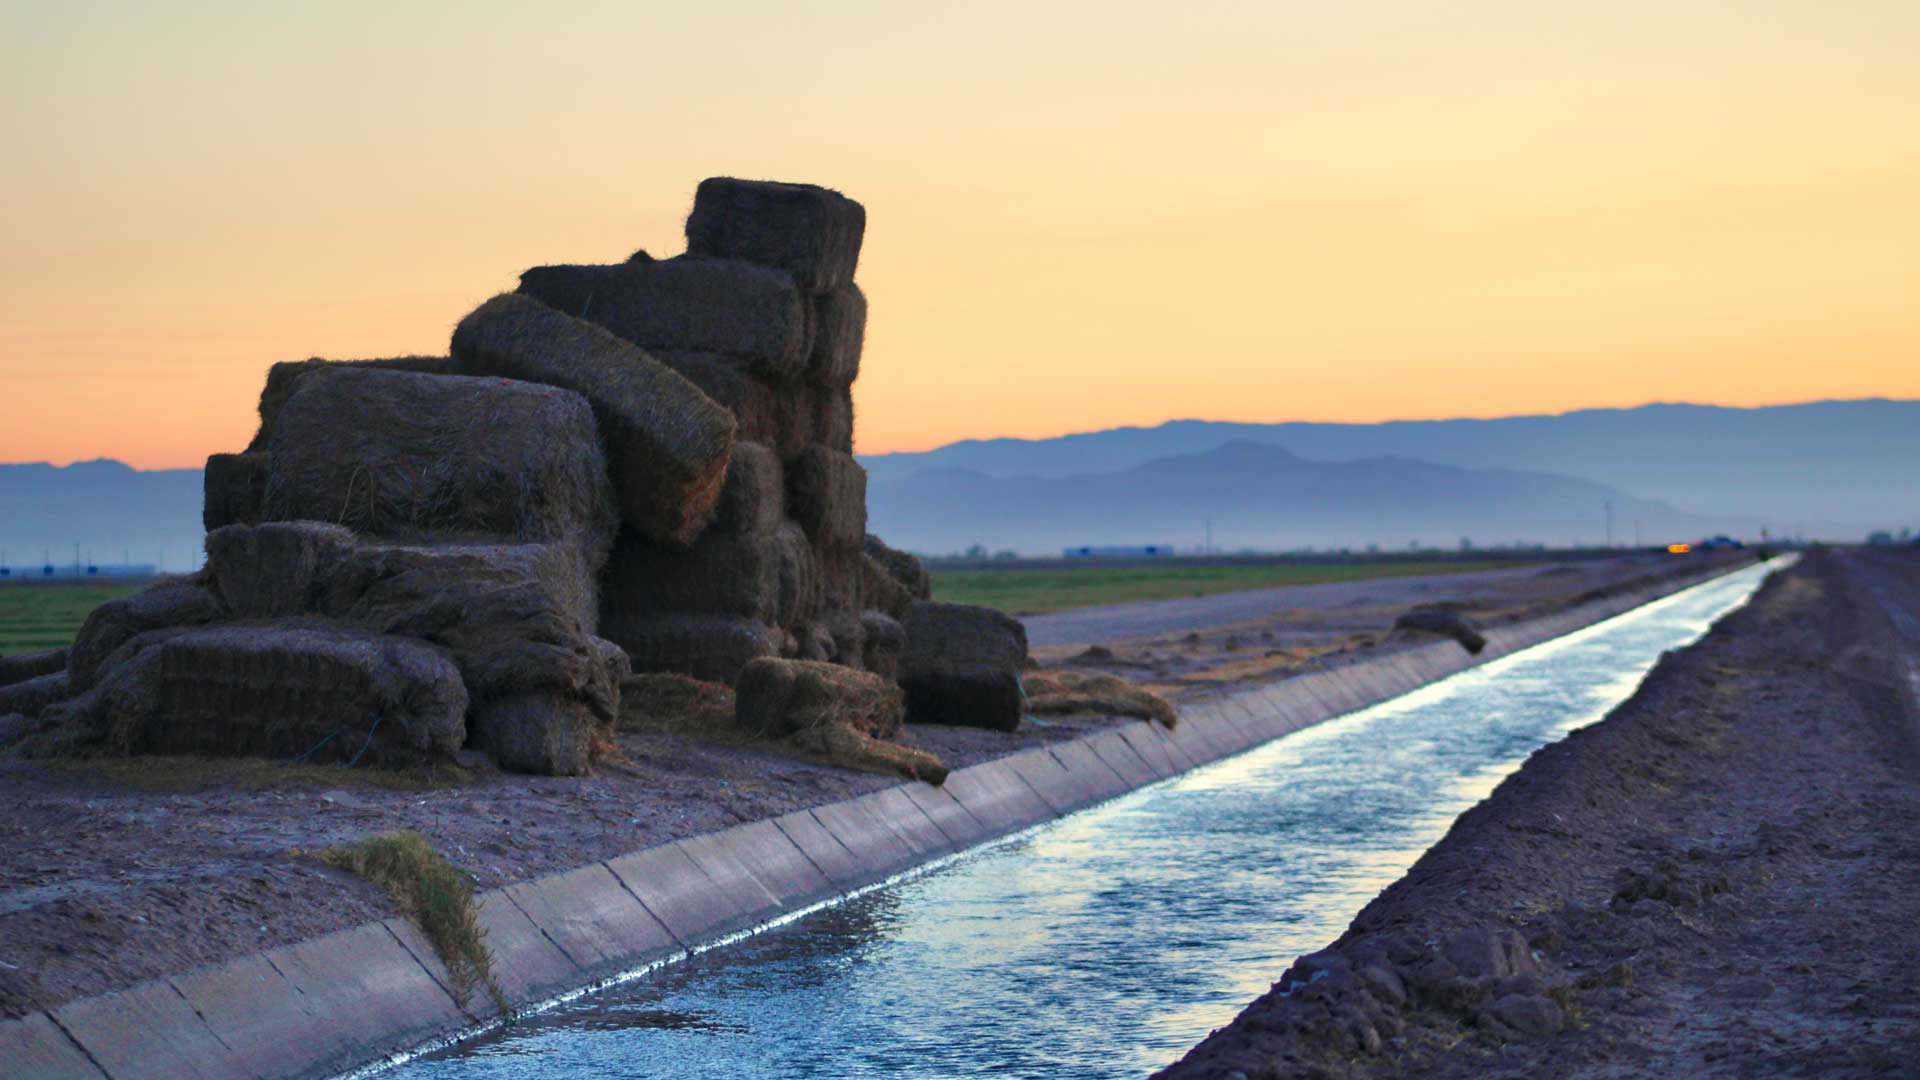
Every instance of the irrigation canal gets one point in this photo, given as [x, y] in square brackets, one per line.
[1109, 942]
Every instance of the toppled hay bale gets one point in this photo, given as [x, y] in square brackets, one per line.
[779, 697]
[905, 568]
[436, 457]
[284, 378]
[175, 602]
[712, 648]
[833, 712]
[1066, 693]
[962, 666]
[236, 489]
[839, 334]
[542, 733]
[667, 442]
[827, 495]
[20, 667]
[688, 304]
[320, 693]
[276, 568]
[721, 574]
[663, 701]
[1446, 622]
[811, 232]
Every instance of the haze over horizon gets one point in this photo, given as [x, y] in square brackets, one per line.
[1078, 218]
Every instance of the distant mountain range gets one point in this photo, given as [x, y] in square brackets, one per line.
[1833, 469]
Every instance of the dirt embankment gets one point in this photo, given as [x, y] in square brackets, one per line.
[1719, 879]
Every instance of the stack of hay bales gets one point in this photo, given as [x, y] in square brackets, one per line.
[420, 554]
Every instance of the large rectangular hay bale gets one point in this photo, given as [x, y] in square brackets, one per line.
[765, 412]
[736, 309]
[962, 666]
[827, 495]
[753, 499]
[236, 489]
[667, 442]
[414, 457]
[811, 232]
[284, 378]
[839, 335]
[274, 568]
[326, 694]
[712, 648]
[722, 573]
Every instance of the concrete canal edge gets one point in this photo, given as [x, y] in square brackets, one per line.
[361, 997]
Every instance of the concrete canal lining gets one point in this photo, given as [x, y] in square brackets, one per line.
[361, 997]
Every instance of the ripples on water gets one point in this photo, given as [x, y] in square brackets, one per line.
[1108, 943]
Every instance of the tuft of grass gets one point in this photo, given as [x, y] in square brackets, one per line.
[1030, 592]
[427, 889]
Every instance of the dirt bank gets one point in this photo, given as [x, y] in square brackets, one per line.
[112, 872]
[1719, 879]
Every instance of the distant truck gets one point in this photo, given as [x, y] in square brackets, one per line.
[1718, 543]
[1145, 551]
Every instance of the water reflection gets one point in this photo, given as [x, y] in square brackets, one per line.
[1109, 943]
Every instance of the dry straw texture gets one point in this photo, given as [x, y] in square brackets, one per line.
[667, 442]
[811, 232]
[827, 495]
[1067, 693]
[284, 378]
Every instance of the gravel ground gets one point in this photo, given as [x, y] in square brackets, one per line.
[1720, 879]
[116, 872]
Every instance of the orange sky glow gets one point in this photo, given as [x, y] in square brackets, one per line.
[1079, 215]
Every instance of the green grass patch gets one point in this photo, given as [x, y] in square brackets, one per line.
[1028, 592]
[428, 890]
[38, 617]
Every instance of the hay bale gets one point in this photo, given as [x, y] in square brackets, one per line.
[827, 495]
[284, 378]
[842, 580]
[962, 666]
[304, 690]
[712, 648]
[1445, 622]
[721, 574]
[800, 587]
[516, 618]
[777, 697]
[904, 567]
[764, 412]
[752, 501]
[883, 643]
[106, 718]
[413, 457]
[29, 697]
[1069, 693]
[236, 489]
[539, 733]
[832, 412]
[811, 232]
[880, 591]
[667, 443]
[664, 702]
[174, 602]
[276, 568]
[839, 333]
[20, 667]
[750, 314]
[849, 636]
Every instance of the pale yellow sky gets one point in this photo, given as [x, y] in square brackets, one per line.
[1079, 215]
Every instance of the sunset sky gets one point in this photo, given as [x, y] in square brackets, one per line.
[1079, 215]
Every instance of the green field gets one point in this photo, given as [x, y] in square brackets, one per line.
[1027, 592]
[36, 617]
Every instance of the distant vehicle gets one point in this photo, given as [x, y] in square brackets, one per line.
[1718, 543]
[1141, 552]
[1679, 549]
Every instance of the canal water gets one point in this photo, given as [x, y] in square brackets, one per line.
[1108, 943]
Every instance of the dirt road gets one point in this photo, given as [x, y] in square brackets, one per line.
[1720, 879]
